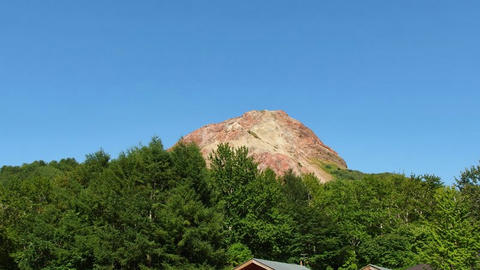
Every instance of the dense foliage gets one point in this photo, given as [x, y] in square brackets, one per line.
[156, 209]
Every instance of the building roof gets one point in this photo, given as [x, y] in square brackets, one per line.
[376, 267]
[272, 265]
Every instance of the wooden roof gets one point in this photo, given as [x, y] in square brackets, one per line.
[376, 267]
[255, 264]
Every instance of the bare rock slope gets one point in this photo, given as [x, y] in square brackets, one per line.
[274, 139]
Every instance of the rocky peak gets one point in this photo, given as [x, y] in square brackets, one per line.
[274, 139]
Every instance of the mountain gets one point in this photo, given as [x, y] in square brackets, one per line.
[274, 139]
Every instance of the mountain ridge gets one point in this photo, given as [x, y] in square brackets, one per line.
[274, 139]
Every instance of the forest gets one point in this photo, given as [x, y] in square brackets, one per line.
[152, 208]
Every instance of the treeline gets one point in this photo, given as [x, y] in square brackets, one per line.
[155, 209]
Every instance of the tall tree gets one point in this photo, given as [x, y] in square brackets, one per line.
[469, 185]
[251, 203]
[451, 239]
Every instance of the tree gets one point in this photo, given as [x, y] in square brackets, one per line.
[238, 253]
[469, 185]
[147, 209]
[190, 168]
[251, 203]
[232, 170]
[451, 239]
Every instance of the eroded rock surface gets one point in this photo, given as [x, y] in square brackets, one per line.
[274, 139]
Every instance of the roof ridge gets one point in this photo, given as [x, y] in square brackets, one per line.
[379, 267]
[273, 264]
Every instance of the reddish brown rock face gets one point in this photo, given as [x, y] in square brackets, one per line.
[274, 139]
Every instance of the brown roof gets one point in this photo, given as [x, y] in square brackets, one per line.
[269, 265]
[374, 267]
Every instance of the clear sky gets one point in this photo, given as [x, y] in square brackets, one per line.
[390, 85]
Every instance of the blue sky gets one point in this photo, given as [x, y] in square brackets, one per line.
[390, 85]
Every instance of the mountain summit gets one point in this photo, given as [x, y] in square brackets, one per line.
[274, 139]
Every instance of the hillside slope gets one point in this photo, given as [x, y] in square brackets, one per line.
[274, 139]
